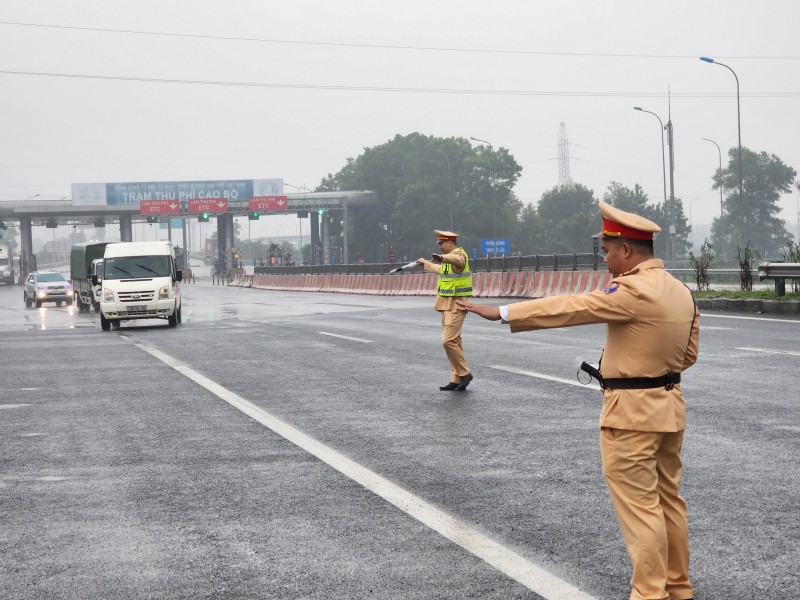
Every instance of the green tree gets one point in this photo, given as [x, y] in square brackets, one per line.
[9, 236]
[636, 201]
[424, 183]
[753, 221]
[568, 216]
[530, 232]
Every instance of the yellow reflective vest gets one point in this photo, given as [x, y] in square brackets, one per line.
[455, 284]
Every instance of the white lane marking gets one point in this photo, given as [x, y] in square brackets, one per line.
[768, 351]
[591, 386]
[28, 389]
[535, 578]
[704, 315]
[345, 337]
[2, 406]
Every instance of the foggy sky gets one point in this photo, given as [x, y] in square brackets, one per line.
[337, 77]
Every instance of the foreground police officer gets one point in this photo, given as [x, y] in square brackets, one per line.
[455, 281]
[651, 336]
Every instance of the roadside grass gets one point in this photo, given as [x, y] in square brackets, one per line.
[739, 295]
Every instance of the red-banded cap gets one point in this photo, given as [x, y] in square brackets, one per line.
[618, 223]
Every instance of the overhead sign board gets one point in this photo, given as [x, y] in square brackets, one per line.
[501, 246]
[265, 203]
[207, 205]
[132, 193]
[159, 207]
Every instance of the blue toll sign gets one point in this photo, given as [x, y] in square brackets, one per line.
[500, 246]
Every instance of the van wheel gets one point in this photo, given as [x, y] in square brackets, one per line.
[105, 324]
[180, 314]
[96, 307]
[173, 319]
[37, 303]
[68, 302]
[58, 302]
[28, 303]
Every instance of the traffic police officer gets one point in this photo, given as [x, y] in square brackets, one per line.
[455, 281]
[651, 336]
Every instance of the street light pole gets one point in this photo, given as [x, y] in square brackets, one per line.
[670, 249]
[300, 224]
[720, 173]
[494, 198]
[739, 128]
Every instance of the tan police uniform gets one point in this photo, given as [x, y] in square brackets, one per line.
[452, 315]
[652, 330]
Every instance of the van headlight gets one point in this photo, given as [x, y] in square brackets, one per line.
[163, 293]
[108, 295]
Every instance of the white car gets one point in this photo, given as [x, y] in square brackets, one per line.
[47, 286]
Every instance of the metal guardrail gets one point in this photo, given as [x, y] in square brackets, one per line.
[779, 272]
[539, 262]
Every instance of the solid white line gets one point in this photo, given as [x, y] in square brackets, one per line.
[771, 351]
[507, 561]
[345, 337]
[590, 386]
[2, 406]
[704, 315]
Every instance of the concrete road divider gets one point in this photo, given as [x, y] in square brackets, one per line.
[495, 284]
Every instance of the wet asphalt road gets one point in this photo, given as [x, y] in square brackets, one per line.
[128, 471]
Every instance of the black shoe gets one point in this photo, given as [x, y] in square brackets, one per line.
[464, 382]
[449, 386]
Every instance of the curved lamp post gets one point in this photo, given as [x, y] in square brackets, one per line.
[720, 173]
[670, 249]
[494, 197]
[739, 128]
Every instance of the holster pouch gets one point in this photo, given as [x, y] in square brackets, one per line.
[593, 371]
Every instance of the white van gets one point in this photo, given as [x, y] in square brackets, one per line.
[139, 281]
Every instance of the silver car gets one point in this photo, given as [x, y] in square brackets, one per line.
[47, 286]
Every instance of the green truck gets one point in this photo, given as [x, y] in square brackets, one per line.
[83, 261]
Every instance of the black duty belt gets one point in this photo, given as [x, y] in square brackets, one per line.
[667, 381]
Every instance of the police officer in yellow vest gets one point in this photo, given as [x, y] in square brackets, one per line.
[651, 336]
[455, 281]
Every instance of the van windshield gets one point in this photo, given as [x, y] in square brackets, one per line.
[137, 267]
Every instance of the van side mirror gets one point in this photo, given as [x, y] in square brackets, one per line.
[178, 275]
[94, 280]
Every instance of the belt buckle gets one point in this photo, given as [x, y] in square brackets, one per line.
[670, 384]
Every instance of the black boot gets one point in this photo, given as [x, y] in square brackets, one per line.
[464, 382]
[449, 386]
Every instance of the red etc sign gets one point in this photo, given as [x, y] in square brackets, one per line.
[208, 205]
[264, 203]
[159, 207]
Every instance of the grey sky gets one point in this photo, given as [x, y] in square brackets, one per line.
[589, 63]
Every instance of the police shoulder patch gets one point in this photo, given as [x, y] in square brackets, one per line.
[610, 289]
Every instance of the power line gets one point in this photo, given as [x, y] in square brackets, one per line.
[385, 46]
[357, 88]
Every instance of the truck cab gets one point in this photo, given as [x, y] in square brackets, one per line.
[139, 280]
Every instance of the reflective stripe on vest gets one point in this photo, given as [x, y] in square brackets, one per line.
[455, 284]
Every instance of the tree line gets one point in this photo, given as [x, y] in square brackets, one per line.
[424, 182]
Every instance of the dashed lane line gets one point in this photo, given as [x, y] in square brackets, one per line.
[515, 566]
[791, 321]
[768, 351]
[345, 337]
[591, 386]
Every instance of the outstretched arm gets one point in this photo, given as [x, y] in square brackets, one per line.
[491, 313]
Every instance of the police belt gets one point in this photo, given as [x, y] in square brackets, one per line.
[667, 381]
